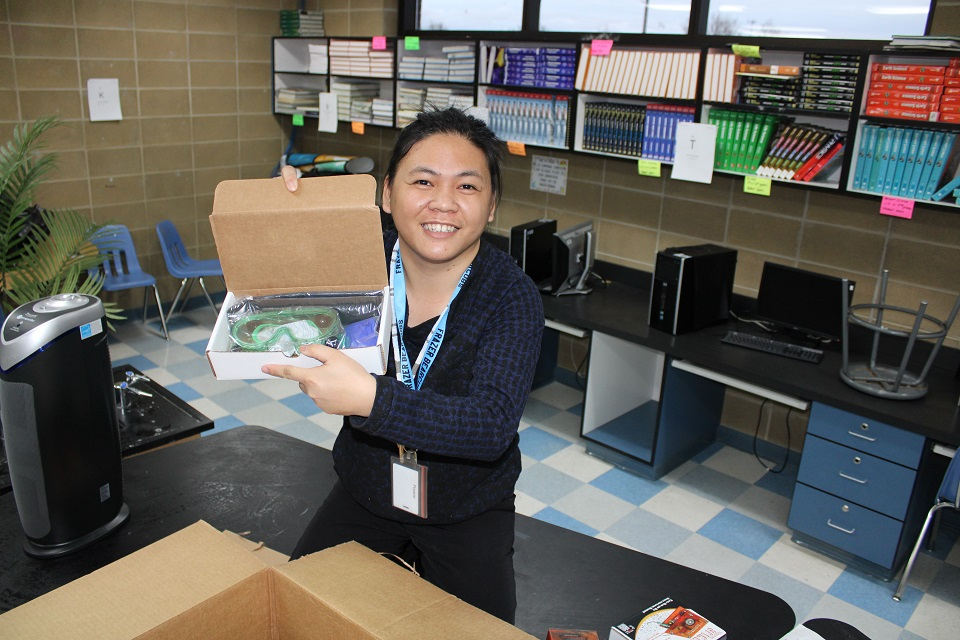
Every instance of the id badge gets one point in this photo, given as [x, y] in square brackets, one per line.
[409, 484]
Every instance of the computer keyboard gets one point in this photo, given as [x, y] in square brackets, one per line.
[776, 347]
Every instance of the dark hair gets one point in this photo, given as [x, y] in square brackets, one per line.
[455, 122]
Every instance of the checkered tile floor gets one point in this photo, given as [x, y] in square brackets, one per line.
[732, 524]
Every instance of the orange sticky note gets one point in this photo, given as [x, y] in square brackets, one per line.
[516, 148]
[600, 47]
[357, 127]
[379, 43]
[897, 207]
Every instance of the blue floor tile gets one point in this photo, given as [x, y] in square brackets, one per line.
[301, 403]
[539, 444]
[874, 596]
[553, 516]
[741, 533]
[629, 487]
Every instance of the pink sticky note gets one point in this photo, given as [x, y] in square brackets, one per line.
[600, 47]
[897, 207]
[379, 43]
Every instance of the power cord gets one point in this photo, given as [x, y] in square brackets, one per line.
[756, 436]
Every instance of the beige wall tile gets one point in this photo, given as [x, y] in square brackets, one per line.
[213, 128]
[511, 214]
[921, 263]
[627, 243]
[254, 74]
[6, 45]
[784, 200]
[124, 71]
[64, 194]
[114, 162]
[117, 190]
[929, 223]
[212, 19]
[631, 207]
[946, 19]
[165, 16]
[176, 184]
[840, 247]
[9, 109]
[763, 232]
[43, 41]
[155, 74]
[7, 75]
[111, 134]
[694, 219]
[849, 211]
[65, 104]
[582, 198]
[717, 192]
[45, 73]
[621, 173]
[167, 157]
[167, 131]
[110, 44]
[336, 23]
[180, 211]
[42, 12]
[70, 165]
[260, 152]
[213, 74]
[164, 102]
[161, 45]
[131, 215]
[104, 13]
[205, 46]
[250, 49]
[256, 100]
[210, 101]
[259, 22]
[216, 154]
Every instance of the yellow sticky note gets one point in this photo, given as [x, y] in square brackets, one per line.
[648, 167]
[357, 127]
[756, 185]
[411, 43]
[746, 50]
[298, 119]
[516, 148]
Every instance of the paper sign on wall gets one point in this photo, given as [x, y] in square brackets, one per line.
[357, 127]
[549, 174]
[103, 98]
[896, 207]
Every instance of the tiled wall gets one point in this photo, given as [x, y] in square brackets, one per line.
[195, 91]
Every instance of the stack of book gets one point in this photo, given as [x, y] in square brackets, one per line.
[829, 81]
[915, 91]
[382, 112]
[302, 24]
[919, 164]
[640, 72]
[802, 152]
[409, 104]
[775, 86]
[319, 60]
[348, 91]
[532, 118]
[411, 67]
[660, 130]
[299, 99]
[357, 58]
[743, 138]
[720, 80]
[612, 127]
[461, 62]
[542, 67]
[436, 68]
[937, 43]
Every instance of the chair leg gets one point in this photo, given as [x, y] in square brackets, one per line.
[176, 298]
[163, 320]
[143, 313]
[209, 299]
[916, 549]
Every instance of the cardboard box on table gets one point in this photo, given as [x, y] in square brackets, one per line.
[325, 237]
[199, 583]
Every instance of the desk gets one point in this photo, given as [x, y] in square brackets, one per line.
[257, 480]
[647, 415]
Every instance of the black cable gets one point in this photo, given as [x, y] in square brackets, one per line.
[756, 436]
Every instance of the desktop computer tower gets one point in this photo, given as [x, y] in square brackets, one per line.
[531, 245]
[692, 287]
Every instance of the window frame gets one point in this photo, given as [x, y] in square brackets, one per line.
[695, 36]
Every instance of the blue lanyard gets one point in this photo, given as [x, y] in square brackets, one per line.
[406, 373]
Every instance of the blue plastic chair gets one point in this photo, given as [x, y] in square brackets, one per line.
[121, 269]
[948, 497]
[181, 265]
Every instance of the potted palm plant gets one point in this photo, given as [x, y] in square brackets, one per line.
[42, 252]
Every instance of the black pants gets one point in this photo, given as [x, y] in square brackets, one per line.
[472, 559]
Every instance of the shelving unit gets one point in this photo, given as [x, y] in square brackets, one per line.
[625, 103]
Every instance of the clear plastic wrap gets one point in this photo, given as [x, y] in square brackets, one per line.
[286, 322]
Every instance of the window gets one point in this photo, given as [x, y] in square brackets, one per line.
[864, 20]
[615, 16]
[470, 15]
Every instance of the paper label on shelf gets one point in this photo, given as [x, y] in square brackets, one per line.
[328, 113]
[649, 168]
[549, 175]
[379, 43]
[516, 148]
[746, 50]
[357, 127]
[601, 47]
[756, 185]
[411, 43]
[298, 119]
[897, 207]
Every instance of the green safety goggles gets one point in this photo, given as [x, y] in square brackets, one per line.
[286, 330]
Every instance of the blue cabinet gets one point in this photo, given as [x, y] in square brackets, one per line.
[861, 490]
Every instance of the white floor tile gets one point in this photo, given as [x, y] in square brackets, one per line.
[681, 507]
[800, 563]
[575, 462]
[591, 506]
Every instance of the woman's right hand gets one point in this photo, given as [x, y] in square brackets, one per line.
[289, 175]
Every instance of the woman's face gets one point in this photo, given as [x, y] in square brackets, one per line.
[441, 201]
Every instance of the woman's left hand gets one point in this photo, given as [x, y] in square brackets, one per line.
[289, 176]
[338, 385]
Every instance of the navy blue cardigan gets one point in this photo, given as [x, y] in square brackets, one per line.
[463, 420]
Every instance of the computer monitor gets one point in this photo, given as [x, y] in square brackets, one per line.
[572, 259]
[804, 304]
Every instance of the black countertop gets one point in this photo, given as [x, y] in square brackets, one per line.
[621, 311]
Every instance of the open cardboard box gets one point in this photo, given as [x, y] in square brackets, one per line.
[199, 583]
[325, 237]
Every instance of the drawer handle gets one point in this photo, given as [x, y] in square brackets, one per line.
[861, 436]
[838, 528]
[857, 480]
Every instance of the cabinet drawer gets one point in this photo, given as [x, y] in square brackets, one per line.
[871, 436]
[845, 525]
[859, 477]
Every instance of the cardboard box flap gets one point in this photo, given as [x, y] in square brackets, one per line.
[325, 236]
[388, 600]
[138, 592]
